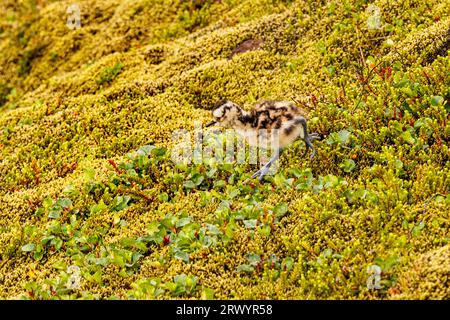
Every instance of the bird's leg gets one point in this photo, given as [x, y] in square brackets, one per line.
[311, 137]
[308, 138]
[265, 169]
[309, 145]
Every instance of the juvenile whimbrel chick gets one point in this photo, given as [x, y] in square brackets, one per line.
[281, 116]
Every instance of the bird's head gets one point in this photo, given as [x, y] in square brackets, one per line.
[225, 114]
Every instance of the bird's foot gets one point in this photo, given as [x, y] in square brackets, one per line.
[309, 145]
[261, 173]
[314, 136]
[312, 154]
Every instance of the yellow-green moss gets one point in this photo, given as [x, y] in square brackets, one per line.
[63, 111]
[428, 277]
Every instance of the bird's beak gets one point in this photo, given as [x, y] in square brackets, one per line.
[209, 124]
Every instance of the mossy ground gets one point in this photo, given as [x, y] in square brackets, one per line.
[74, 103]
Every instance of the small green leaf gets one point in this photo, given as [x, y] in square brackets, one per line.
[170, 286]
[169, 221]
[212, 229]
[280, 209]
[305, 179]
[405, 106]
[54, 214]
[60, 265]
[189, 184]
[183, 221]
[232, 192]
[89, 174]
[418, 228]
[57, 243]
[101, 206]
[287, 263]
[253, 259]
[331, 70]
[29, 230]
[153, 228]
[159, 152]
[251, 224]
[245, 268]
[348, 165]
[38, 252]
[436, 100]
[144, 150]
[219, 184]
[197, 179]
[207, 294]
[97, 277]
[101, 261]
[64, 202]
[28, 247]
[116, 219]
[398, 164]
[342, 137]
[402, 83]
[407, 137]
[71, 191]
[120, 203]
[265, 230]
[47, 239]
[211, 172]
[163, 197]
[327, 253]
[182, 256]
[47, 203]
[134, 258]
[39, 212]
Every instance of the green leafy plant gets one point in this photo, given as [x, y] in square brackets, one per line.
[109, 74]
[182, 286]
